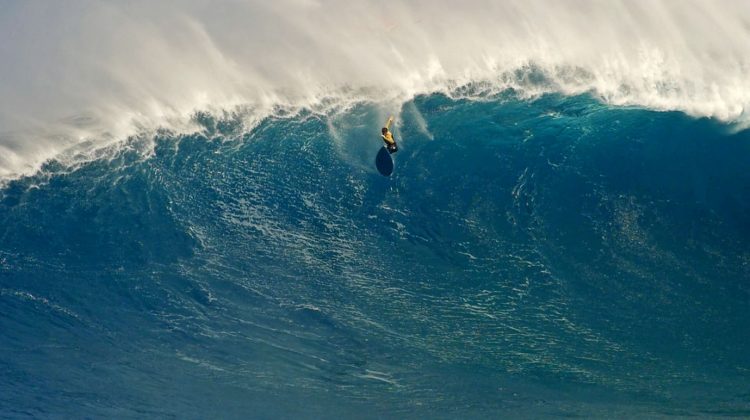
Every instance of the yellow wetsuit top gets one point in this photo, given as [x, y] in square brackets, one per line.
[388, 136]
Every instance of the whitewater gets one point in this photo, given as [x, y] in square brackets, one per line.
[91, 71]
[191, 224]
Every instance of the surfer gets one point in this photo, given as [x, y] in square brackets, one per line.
[390, 143]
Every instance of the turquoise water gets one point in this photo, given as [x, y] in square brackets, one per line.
[546, 257]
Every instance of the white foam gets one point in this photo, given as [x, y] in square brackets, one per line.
[85, 70]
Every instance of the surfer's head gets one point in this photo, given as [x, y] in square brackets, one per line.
[384, 130]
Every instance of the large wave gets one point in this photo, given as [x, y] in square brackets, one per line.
[92, 73]
[191, 224]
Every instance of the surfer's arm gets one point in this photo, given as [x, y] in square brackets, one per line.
[388, 124]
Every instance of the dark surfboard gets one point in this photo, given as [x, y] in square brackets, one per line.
[384, 162]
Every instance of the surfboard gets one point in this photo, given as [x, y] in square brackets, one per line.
[384, 162]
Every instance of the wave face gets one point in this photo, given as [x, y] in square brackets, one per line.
[555, 256]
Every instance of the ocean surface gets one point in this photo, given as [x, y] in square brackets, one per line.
[529, 257]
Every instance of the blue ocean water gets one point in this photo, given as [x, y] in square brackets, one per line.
[545, 257]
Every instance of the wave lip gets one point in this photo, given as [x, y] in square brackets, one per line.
[135, 66]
